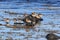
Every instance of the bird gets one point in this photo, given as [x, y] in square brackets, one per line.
[39, 17]
[33, 18]
[28, 22]
[30, 19]
[15, 20]
[6, 20]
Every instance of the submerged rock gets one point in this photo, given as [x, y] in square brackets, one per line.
[52, 37]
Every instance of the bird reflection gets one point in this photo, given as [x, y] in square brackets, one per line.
[22, 26]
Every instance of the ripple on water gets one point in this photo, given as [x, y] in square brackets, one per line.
[39, 31]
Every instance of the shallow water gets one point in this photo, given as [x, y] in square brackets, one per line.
[50, 23]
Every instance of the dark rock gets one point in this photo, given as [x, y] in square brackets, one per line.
[52, 37]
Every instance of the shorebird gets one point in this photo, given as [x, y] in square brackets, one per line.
[39, 18]
[6, 20]
[15, 20]
[30, 19]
